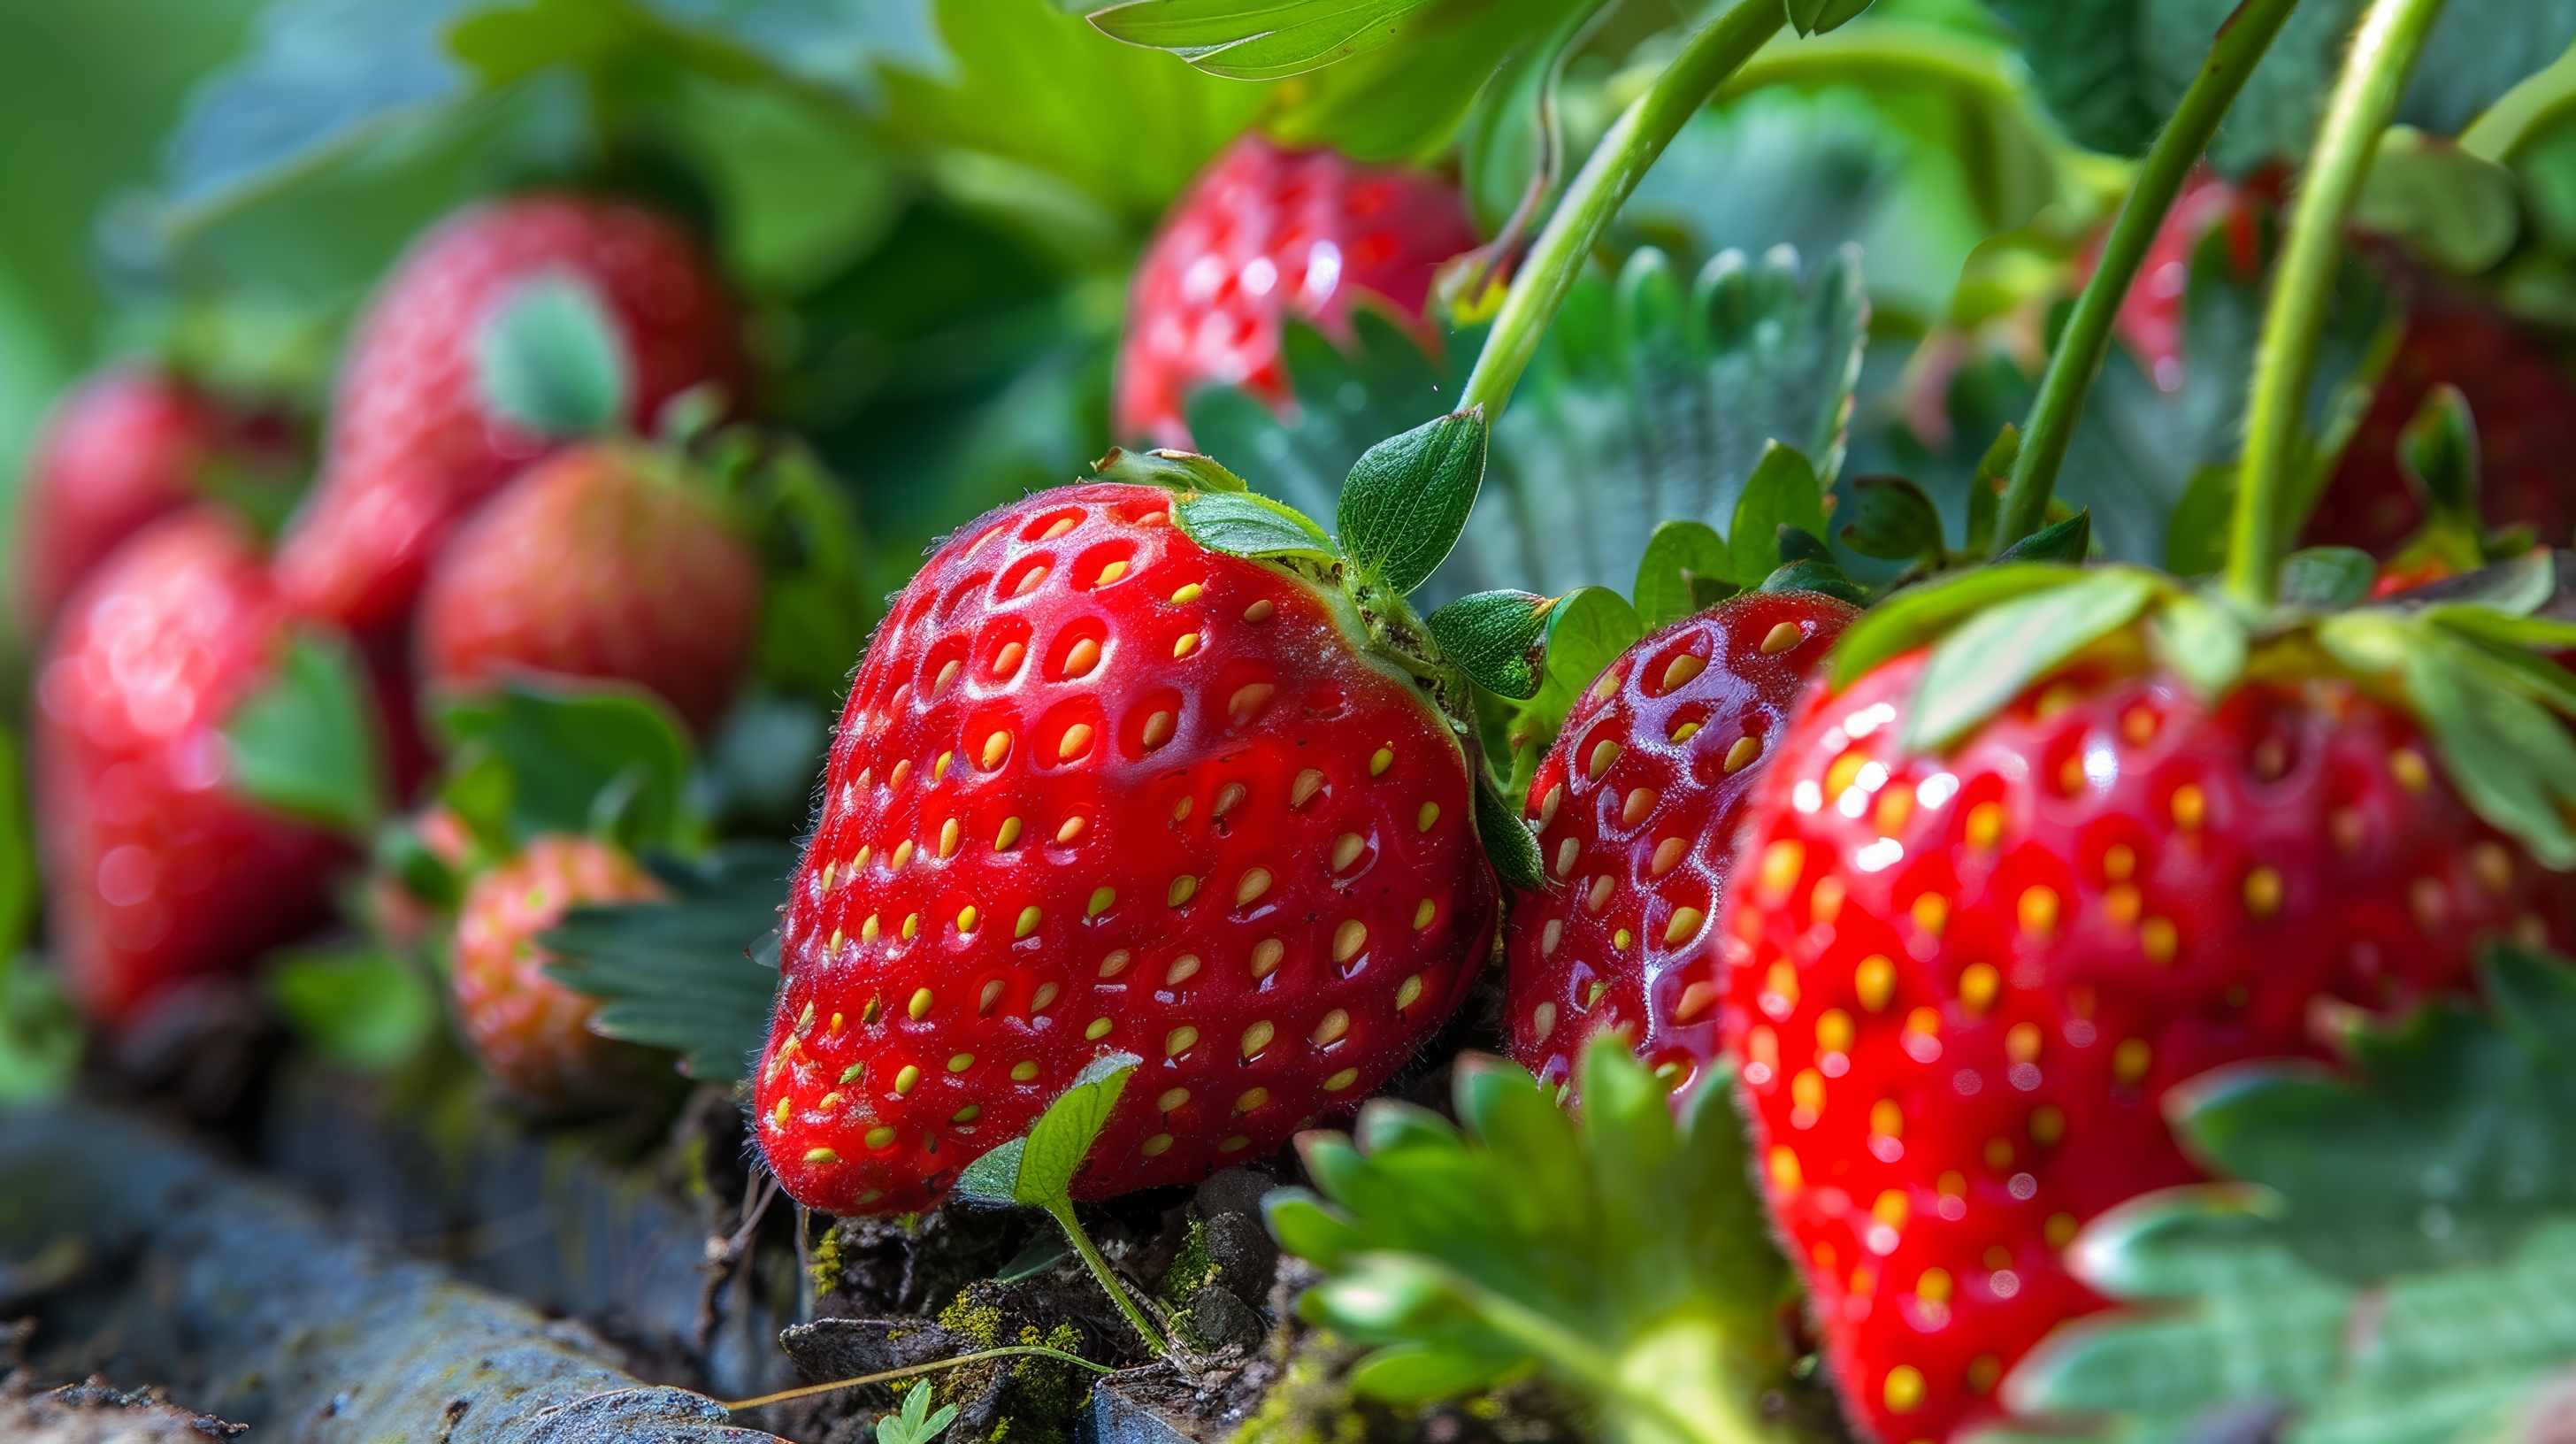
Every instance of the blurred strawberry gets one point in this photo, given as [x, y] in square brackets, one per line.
[1263, 235]
[415, 445]
[2525, 402]
[2151, 315]
[532, 1032]
[156, 873]
[606, 561]
[123, 447]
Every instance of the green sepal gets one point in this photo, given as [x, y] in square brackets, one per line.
[1686, 567]
[2065, 541]
[2200, 641]
[1897, 520]
[1810, 574]
[2437, 452]
[1986, 487]
[1037, 1170]
[1782, 491]
[550, 359]
[1178, 470]
[1246, 524]
[1919, 614]
[306, 744]
[1815, 17]
[1496, 638]
[1976, 670]
[1405, 503]
[2326, 578]
[1586, 631]
[1509, 843]
[2511, 760]
[1797, 544]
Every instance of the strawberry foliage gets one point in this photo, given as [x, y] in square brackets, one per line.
[693, 974]
[2391, 1260]
[1619, 1250]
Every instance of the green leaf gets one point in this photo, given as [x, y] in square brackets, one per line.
[2457, 209]
[549, 358]
[306, 742]
[1509, 844]
[1922, 613]
[1979, 668]
[1815, 17]
[40, 1032]
[1686, 568]
[608, 760]
[1179, 470]
[1897, 521]
[1038, 1169]
[360, 1008]
[1258, 39]
[914, 1423]
[1406, 499]
[1242, 524]
[696, 974]
[1406, 99]
[2201, 641]
[2065, 541]
[2196, 534]
[2325, 578]
[1781, 492]
[1646, 406]
[1495, 637]
[1514, 127]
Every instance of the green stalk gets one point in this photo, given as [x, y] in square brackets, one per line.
[2384, 51]
[1613, 170]
[2060, 403]
[1007, 1351]
[1062, 1208]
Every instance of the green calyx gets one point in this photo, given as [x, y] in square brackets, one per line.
[1403, 507]
[2469, 660]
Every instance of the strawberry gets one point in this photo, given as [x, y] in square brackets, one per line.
[1639, 846]
[602, 561]
[1959, 980]
[2525, 402]
[2151, 315]
[124, 447]
[532, 1032]
[157, 875]
[415, 445]
[1262, 235]
[1101, 788]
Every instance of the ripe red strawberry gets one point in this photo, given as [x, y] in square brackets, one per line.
[1099, 788]
[601, 562]
[1638, 847]
[532, 1032]
[414, 444]
[2524, 399]
[157, 874]
[1959, 983]
[123, 447]
[1262, 235]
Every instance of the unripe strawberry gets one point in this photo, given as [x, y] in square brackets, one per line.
[532, 1032]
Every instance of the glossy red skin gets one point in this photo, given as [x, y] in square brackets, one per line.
[1261, 236]
[2378, 919]
[591, 565]
[124, 447]
[532, 1032]
[1666, 990]
[413, 448]
[2524, 400]
[863, 1010]
[155, 873]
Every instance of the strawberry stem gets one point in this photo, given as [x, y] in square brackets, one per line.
[2078, 358]
[1007, 1351]
[2384, 51]
[1615, 166]
[1062, 1208]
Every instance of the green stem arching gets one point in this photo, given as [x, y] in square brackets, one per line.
[1007, 1351]
[1615, 166]
[2078, 358]
[2384, 51]
[1062, 1208]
